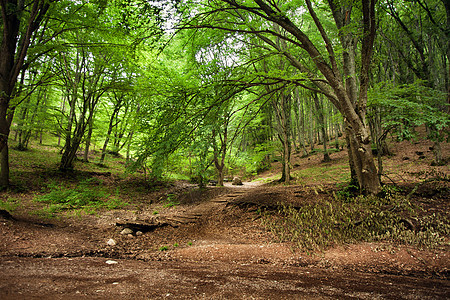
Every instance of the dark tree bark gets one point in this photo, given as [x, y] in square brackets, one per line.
[12, 57]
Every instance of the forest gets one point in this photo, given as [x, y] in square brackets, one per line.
[201, 90]
[111, 106]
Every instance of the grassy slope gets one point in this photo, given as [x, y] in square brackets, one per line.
[35, 176]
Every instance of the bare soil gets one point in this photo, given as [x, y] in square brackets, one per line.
[212, 245]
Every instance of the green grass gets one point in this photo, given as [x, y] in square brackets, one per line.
[10, 204]
[87, 195]
[171, 201]
[329, 173]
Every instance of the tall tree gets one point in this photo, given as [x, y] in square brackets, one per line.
[345, 87]
[20, 20]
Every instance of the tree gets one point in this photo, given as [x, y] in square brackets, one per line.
[355, 23]
[400, 109]
[20, 21]
[282, 107]
[322, 125]
[421, 43]
[121, 99]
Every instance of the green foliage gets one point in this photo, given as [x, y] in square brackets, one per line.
[254, 161]
[171, 201]
[10, 204]
[87, 195]
[402, 108]
[345, 220]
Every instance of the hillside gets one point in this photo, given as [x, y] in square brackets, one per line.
[218, 242]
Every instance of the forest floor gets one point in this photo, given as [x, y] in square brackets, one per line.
[211, 243]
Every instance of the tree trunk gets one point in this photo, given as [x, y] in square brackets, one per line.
[219, 154]
[362, 164]
[437, 151]
[4, 164]
[130, 137]
[282, 109]
[88, 141]
[4, 133]
[12, 56]
[110, 128]
[347, 90]
[322, 125]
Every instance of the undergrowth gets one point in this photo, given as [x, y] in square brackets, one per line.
[87, 195]
[342, 220]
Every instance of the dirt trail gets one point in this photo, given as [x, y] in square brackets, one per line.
[214, 251]
[93, 278]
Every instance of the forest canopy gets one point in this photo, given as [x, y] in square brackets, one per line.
[210, 89]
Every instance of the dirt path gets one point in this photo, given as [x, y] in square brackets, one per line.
[213, 250]
[89, 278]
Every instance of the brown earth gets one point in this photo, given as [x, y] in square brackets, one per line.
[212, 245]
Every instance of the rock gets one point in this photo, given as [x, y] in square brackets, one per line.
[111, 242]
[138, 233]
[236, 181]
[111, 262]
[126, 231]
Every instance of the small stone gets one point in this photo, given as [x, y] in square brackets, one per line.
[130, 235]
[111, 242]
[111, 262]
[126, 231]
[236, 181]
[138, 233]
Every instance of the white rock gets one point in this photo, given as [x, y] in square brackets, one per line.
[126, 231]
[237, 181]
[111, 242]
[138, 233]
[111, 262]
